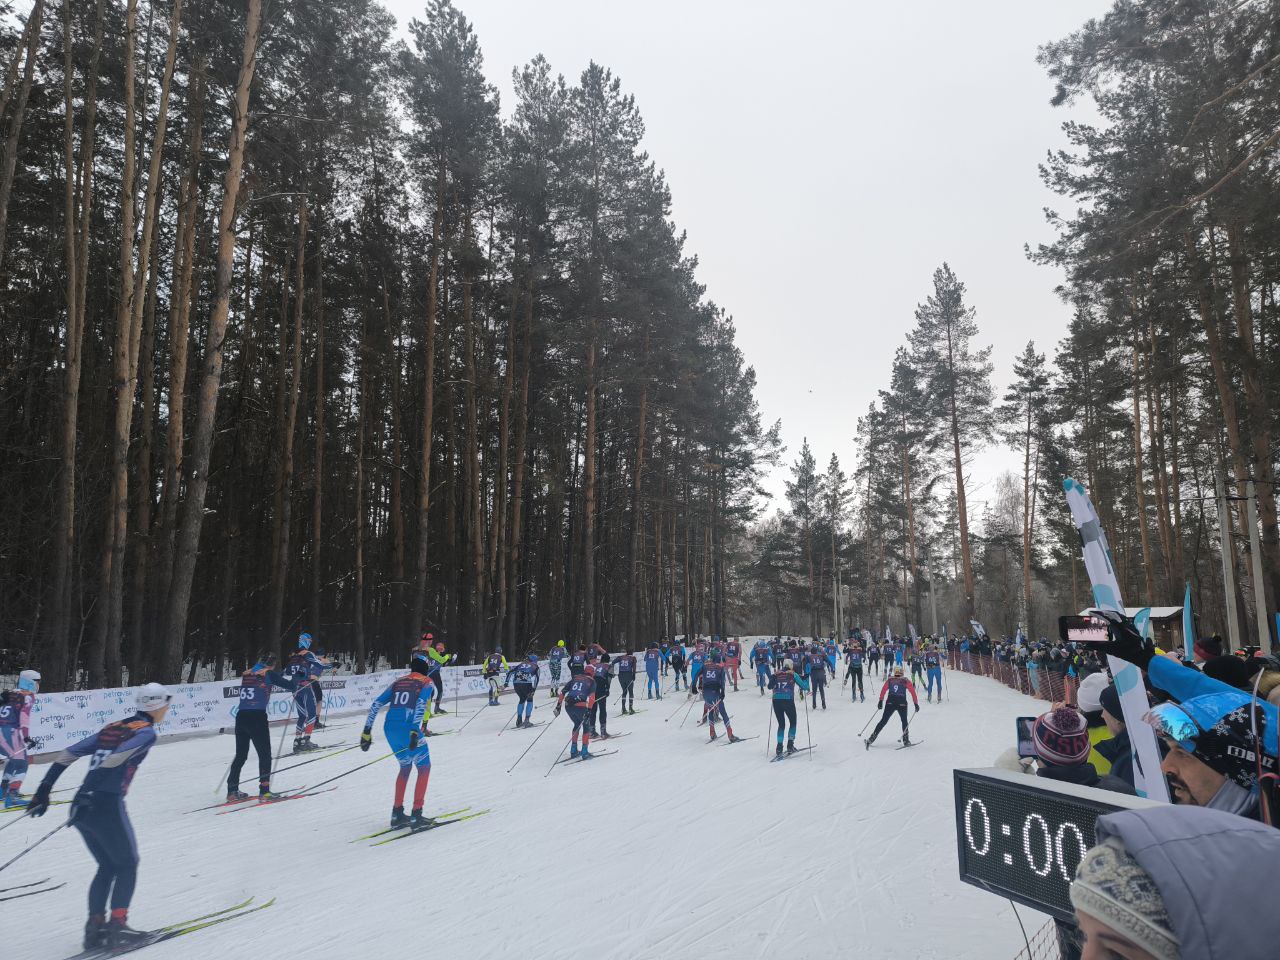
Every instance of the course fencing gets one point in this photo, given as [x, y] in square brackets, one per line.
[1047, 683]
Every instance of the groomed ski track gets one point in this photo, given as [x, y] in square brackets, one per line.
[671, 849]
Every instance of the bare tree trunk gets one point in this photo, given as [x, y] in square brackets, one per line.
[517, 479]
[31, 35]
[962, 507]
[475, 515]
[282, 515]
[397, 461]
[498, 532]
[76, 228]
[588, 631]
[637, 514]
[317, 502]
[363, 408]
[202, 436]
[104, 652]
[1259, 417]
[428, 406]
[1139, 492]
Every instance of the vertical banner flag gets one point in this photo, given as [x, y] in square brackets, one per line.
[1148, 780]
[1188, 626]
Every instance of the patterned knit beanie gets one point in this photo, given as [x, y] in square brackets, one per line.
[1061, 737]
[1111, 887]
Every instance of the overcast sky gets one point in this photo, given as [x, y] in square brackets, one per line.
[825, 158]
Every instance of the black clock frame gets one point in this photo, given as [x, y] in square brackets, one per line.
[1031, 794]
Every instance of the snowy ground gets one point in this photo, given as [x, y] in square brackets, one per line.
[672, 848]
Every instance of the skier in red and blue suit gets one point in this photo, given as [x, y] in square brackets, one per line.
[711, 680]
[408, 700]
[580, 697]
[893, 699]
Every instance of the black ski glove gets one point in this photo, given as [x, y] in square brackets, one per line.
[366, 740]
[917, 708]
[413, 740]
[1125, 642]
[39, 804]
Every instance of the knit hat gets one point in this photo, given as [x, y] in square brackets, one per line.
[1217, 728]
[1110, 701]
[1232, 671]
[1091, 688]
[1112, 887]
[1061, 737]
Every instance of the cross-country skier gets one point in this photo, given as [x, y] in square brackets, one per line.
[626, 665]
[760, 657]
[664, 651]
[832, 653]
[873, 658]
[555, 661]
[526, 675]
[916, 659]
[251, 725]
[15, 735]
[578, 661]
[783, 683]
[580, 695]
[437, 659]
[933, 670]
[495, 665]
[733, 660]
[652, 661]
[893, 699]
[604, 680]
[98, 812]
[301, 669]
[696, 660]
[408, 702]
[679, 664]
[711, 680]
[853, 670]
[816, 670]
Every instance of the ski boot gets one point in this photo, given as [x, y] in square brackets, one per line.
[869, 741]
[237, 796]
[791, 747]
[13, 800]
[573, 752]
[440, 711]
[264, 793]
[733, 738]
[95, 933]
[418, 822]
[778, 751]
[906, 739]
[119, 937]
[713, 734]
[585, 754]
[398, 819]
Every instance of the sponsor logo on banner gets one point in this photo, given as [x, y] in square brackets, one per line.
[472, 671]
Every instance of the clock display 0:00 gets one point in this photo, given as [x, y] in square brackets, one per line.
[1043, 848]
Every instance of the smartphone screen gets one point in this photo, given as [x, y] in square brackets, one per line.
[1082, 629]
[1026, 746]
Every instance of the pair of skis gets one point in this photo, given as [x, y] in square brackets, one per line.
[442, 820]
[175, 930]
[789, 753]
[8, 893]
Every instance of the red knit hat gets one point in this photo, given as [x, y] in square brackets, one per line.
[1061, 737]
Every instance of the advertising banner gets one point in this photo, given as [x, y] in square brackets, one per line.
[61, 719]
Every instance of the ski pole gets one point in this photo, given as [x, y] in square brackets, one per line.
[688, 711]
[768, 726]
[34, 845]
[530, 746]
[807, 735]
[18, 818]
[348, 773]
[284, 727]
[558, 756]
[473, 716]
[505, 725]
[673, 715]
[225, 773]
[868, 723]
[294, 766]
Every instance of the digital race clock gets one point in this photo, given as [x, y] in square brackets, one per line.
[1022, 837]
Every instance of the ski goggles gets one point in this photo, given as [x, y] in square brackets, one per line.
[1173, 723]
